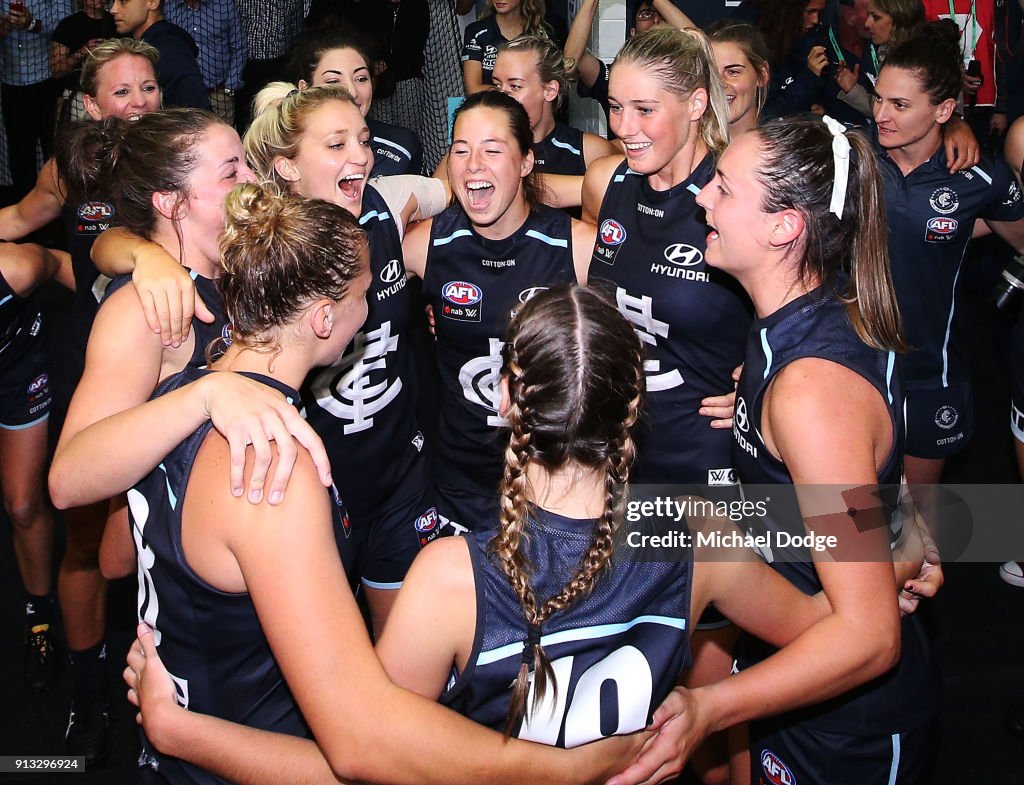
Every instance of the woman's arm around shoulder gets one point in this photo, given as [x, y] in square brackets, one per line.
[595, 185]
[433, 621]
[595, 147]
[166, 290]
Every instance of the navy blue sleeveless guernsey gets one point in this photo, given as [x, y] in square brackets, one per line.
[692, 319]
[474, 284]
[210, 640]
[817, 325]
[364, 406]
[616, 654]
[560, 152]
[83, 224]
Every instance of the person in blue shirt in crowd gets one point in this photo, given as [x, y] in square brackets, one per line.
[27, 92]
[177, 69]
[217, 30]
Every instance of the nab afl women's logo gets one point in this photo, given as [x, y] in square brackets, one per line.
[427, 522]
[775, 771]
[461, 293]
[612, 232]
[944, 200]
[95, 211]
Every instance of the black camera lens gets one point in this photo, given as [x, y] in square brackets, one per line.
[1010, 289]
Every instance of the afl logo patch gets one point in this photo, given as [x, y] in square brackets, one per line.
[944, 200]
[775, 771]
[95, 211]
[612, 232]
[941, 230]
[528, 294]
[461, 293]
[392, 271]
[946, 417]
[37, 384]
[427, 522]
[684, 255]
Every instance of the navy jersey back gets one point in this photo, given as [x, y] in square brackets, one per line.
[474, 284]
[931, 215]
[817, 325]
[692, 320]
[364, 406]
[396, 150]
[20, 318]
[616, 654]
[210, 640]
[560, 152]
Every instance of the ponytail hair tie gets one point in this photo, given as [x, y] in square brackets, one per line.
[841, 160]
[532, 642]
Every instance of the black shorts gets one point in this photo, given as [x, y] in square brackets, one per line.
[788, 754]
[393, 538]
[25, 382]
[460, 511]
[940, 421]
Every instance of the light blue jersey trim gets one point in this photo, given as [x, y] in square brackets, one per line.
[8, 297]
[26, 426]
[693, 189]
[565, 146]
[557, 243]
[452, 236]
[889, 368]
[385, 586]
[580, 634]
[381, 217]
[389, 143]
[894, 768]
[949, 324]
[170, 494]
[982, 174]
[767, 352]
